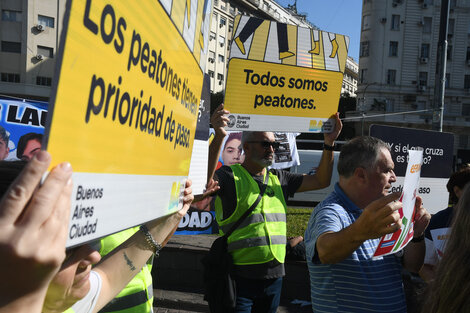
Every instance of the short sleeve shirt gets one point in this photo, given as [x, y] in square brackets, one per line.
[290, 183]
[358, 283]
[87, 304]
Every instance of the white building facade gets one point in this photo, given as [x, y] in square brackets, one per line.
[350, 79]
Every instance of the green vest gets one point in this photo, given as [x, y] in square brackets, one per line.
[261, 237]
[137, 296]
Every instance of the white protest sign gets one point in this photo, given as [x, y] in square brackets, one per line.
[396, 241]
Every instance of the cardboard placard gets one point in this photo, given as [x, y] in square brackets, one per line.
[283, 77]
[124, 108]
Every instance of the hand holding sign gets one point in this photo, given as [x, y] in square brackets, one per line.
[331, 137]
[219, 120]
[394, 242]
[379, 218]
[421, 218]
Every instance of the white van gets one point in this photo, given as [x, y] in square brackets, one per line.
[309, 161]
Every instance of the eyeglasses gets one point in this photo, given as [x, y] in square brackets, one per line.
[267, 144]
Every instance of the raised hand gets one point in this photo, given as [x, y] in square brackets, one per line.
[379, 218]
[34, 222]
[331, 137]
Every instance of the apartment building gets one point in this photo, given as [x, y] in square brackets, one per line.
[350, 78]
[397, 64]
[29, 38]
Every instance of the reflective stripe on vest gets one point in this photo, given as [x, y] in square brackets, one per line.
[132, 302]
[137, 296]
[262, 235]
[257, 218]
[256, 242]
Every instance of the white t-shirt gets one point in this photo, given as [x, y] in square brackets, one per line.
[87, 304]
[287, 154]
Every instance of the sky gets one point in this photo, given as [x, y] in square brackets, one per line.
[336, 16]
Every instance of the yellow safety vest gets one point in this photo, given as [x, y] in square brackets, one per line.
[137, 296]
[261, 237]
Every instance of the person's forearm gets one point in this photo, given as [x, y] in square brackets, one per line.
[28, 303]
[214, 152]
[413, 257]
[126, 261]
[427, 272]
[334, 247]
[325, 168]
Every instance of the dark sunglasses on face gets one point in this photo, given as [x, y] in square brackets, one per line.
[267, 144]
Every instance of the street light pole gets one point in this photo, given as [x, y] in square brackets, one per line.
[440, 80]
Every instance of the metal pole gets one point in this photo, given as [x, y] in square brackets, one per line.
[441, 62]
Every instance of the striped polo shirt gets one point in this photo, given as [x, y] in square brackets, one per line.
[358, 283]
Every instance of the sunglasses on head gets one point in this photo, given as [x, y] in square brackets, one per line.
[267, 144]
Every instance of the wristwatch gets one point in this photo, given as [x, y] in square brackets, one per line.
[418, 239]
[328, 147]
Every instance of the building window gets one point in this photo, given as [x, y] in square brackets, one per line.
[211, 56]
[452, 4]
[43, 81]
[395, 22]
[421, 105]
[363, 76]
[393, 49]
[390, 105]
[391, 77]
[11, 46]
[46, 21]
[221, 41]
[425, 50]
[223, 21]
[449, 52]
[232, 10]
[211, 73]
[447, 80]
[450, 30]
[11, 16]
[423, 78]
[220, 76]
[465, 109]
[230, 27]
[211, 36]
[466, 82]
[427, 25]
[214, 18]
[364, 52]
[221, 58]
[365, 22]
[10, 77]
[46, 51]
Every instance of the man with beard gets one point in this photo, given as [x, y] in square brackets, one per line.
[258, 245]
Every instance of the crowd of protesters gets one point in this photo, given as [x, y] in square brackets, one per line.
[40, 275]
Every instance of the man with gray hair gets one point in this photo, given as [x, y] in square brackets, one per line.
[258, 245]
[345, 229]
[4, 139]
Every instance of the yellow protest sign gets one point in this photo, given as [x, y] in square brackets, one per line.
[283, 77]
[124, 111]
